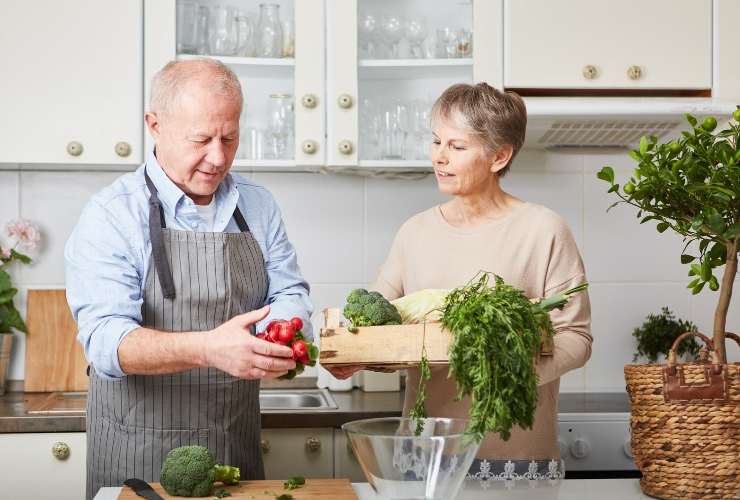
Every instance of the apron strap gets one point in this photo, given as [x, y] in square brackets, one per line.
[161, 263]
[240, 220]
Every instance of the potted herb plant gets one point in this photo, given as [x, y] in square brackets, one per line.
[26, 236]
[658, 332]
[684, 415]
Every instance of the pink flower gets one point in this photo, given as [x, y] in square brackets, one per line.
[28, 234]
[4, 252]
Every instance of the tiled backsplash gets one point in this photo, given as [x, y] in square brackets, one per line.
[342, 227]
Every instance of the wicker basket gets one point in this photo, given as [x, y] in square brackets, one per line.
[685, 425]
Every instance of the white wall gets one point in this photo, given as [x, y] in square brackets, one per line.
[342, 227]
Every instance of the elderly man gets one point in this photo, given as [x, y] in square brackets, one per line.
[169, 269]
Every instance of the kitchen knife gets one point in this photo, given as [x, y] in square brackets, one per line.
[142, 489]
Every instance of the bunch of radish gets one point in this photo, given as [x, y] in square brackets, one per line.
[289, 333]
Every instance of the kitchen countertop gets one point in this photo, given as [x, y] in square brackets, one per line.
[569, 489]
[352, 405]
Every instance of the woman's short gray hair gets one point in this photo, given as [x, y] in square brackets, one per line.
[168, 82]
[494, 117]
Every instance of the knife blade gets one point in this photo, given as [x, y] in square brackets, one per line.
[142, 489]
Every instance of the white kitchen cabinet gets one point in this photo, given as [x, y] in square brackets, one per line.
[298, 452]
[345, 462]
[71, 87]
[30, 468]
[299, 77]
[602, 44]
[383, 74]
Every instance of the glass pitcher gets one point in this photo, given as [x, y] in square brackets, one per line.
[269, 31]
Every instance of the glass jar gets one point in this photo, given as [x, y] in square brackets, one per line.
[280, 127]
[269, 31]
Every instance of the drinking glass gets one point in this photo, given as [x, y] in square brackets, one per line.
[187, 28]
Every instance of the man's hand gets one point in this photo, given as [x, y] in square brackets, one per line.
[231, 348]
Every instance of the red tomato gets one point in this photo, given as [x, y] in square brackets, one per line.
[297, 323]
[304, 360]
[299, 349]
[286, 332]
[262, 336]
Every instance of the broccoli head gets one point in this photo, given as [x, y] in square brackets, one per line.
[190, 471]
[365, 308]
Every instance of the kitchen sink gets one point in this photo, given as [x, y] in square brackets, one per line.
[296, 399]
[271, 400]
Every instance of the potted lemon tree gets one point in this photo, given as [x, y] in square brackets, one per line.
[684, 415]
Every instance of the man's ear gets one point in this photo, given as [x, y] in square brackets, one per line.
[501, 157]
[153, 124]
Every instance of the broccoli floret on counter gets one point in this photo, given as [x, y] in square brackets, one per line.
[190, 471]
[365, 308]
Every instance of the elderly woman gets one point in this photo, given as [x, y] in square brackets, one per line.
[477, 132]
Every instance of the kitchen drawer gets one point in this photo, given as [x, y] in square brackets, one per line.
[30, 469]
[298, 452]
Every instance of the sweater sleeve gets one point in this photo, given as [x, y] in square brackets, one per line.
[572, 324]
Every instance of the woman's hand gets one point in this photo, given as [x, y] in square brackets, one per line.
[231, 347]
[343, 372]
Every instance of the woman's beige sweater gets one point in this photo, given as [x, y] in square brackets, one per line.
[531, 248]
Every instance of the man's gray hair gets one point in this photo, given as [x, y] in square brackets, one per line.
[168, 83]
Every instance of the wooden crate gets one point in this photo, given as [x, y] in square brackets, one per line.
[390, 346]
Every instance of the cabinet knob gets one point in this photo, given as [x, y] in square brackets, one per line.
[74, 148]
[60, 450]
[580, 448]
[634, 72]
[310, 147]
[309, 101]
[345, 101]
[627, 448]
[313, 444]
[265, 444]
[345, 147]
[123, 149]
[590, 72]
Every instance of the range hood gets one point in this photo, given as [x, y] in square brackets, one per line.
[555, 122]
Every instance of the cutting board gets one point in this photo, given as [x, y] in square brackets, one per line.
[326, 489]
[55, 360]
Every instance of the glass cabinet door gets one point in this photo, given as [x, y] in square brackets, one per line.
[277, 50]
[388, 60]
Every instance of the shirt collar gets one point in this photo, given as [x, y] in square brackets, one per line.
[173, 198]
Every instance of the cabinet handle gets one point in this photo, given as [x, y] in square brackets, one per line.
[345, 147]
[590, 72]
[313, 444]
[265, 446]
[309, 147]
[634, 72]
[74, 148]
[123, 149]
[345, 101]
[309, 101]
[60, 450]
